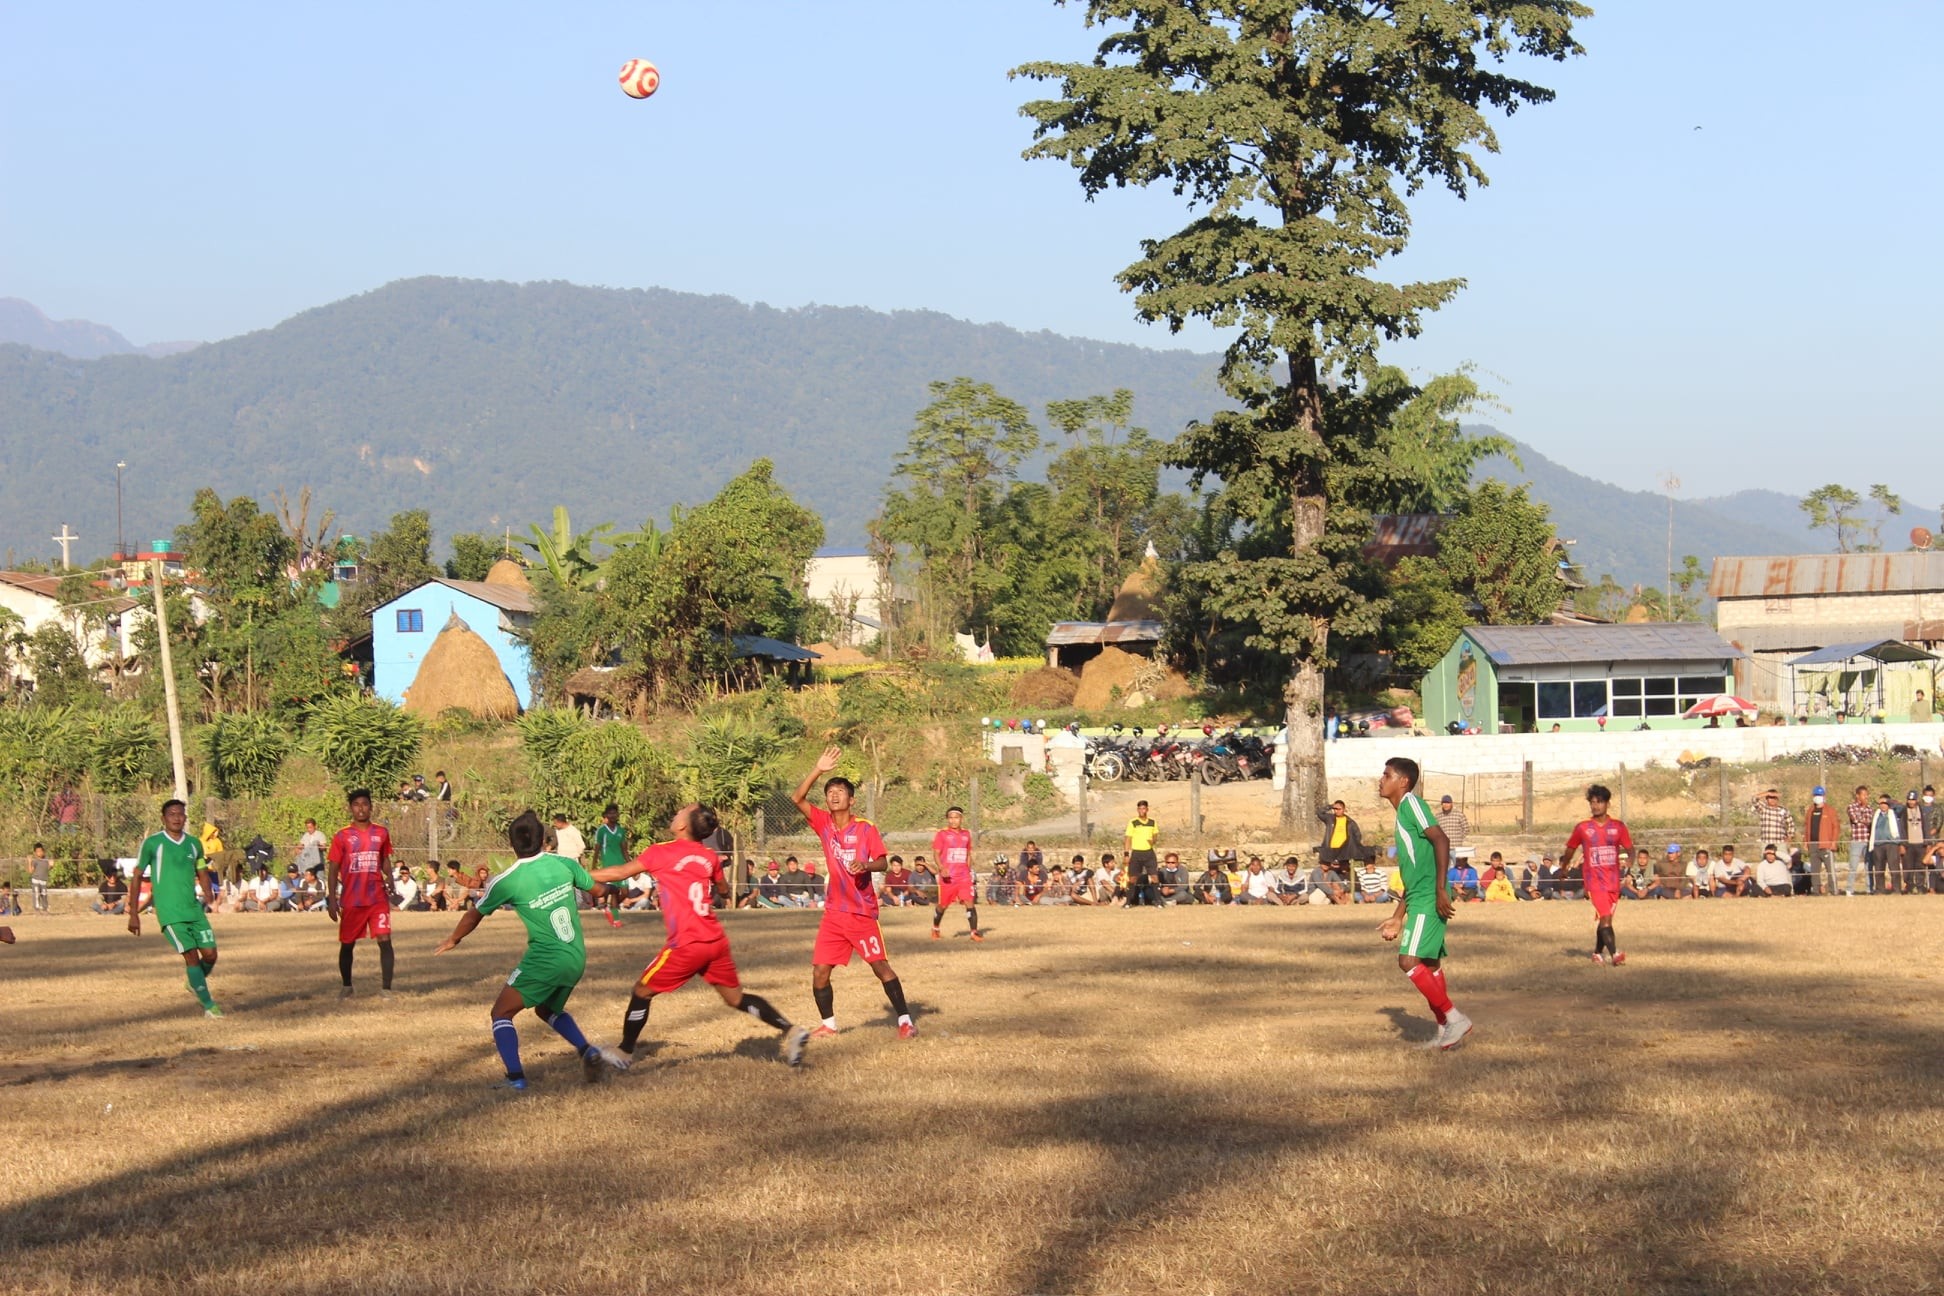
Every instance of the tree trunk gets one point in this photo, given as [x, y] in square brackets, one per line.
[1306, 790]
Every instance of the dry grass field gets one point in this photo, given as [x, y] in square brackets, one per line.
[1152, 1101]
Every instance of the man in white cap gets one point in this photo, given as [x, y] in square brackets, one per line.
[1821, 829]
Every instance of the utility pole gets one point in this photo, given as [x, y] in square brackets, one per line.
[121, 544]
[1669, 483]
[169, 681]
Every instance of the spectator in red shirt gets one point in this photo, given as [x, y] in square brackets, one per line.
[897, 882]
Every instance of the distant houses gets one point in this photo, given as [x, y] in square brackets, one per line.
[35, 598]
[404, 630]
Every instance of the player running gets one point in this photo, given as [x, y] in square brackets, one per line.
[852, 849]
[1605, 839]
[1423, 855]
[360, 863]
[952, 844]
[540, 888]
[173, 861]
[689, 877]
[610, 849]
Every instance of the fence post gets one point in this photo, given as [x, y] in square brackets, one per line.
[762, 828]
[1723, 770]
[431, 835]
[972, 804]
[1623, 791]
[1525, 797]
[1194, 803]
[1086, 829]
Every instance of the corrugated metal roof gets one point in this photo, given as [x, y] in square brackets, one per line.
[1395, 536]
[758, 646]
[1103, 632]
[1798, 638]
[1877, 650]
[1650, 641]
[1803, 575]
[49, 586]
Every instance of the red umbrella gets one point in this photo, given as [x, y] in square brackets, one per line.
[1719, 705]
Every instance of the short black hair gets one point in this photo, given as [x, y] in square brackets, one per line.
[172, 801]
[952, 810]
[355, 793]
[702, 822]
[526, 835]
[1404, 767]
[838, 780]
[1599, 792]
[611, 809]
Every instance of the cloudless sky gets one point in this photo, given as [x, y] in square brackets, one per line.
[1749, 304]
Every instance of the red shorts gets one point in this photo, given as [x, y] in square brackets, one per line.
[677, 964]
[956, 893]
[839, 937]
[1604, 899]
[365, 920]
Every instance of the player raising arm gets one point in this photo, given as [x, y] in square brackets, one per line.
[689, 877]
[852, 849]
[173, 861]
[1423, 855]
[540, 888]
[952, 844]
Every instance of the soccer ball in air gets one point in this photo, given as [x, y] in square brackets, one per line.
[640, 78]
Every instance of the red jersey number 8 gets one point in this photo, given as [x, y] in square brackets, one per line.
[699, 899]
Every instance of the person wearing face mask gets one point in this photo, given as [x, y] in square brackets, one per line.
[1821, 829]
[1930, 821]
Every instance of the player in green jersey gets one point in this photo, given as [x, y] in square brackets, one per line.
[540, 888]
[610, 849]
[1423, 855]
[173, 861]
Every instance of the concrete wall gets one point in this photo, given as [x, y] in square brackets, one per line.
[828, 578]
[36, 610]
[1811, 612]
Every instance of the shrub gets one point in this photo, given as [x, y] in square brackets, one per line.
[614, 762]
[732, 762]
[244, 752]
[363, 742]
[125, 749]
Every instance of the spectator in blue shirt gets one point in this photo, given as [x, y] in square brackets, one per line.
[1462, 879]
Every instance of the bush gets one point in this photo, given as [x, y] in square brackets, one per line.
[614, 762]
[732, 762]
[40, 748]
[125, 749]
[244, 752]
[363, 742]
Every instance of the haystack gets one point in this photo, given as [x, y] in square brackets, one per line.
[1048, 687]
[1112, 669]
[830, 655]
[1139, 595]
[508, 572]
[461, 673]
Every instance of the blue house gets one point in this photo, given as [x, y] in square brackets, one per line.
[402, 631]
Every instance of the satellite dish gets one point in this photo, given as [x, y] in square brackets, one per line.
[1920, 537]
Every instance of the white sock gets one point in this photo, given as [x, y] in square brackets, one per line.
[830, 1023]
[904, 1019]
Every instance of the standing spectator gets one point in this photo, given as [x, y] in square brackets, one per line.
[1172, 882]
[9, 904]
[568, 842]
[311, 847]
[213, 848]
[1772, 874]
[444, 791]
[1342, 840]
[1457, 829]
[1886, 843]
[1933, 823]
[1861, 823]
[1372, 885]
[43, 877]
[1820, 831]
[1030, 857]
[1140, 837]
[1773, 822]
[113, 891]
[1920, 709]
[1913, 851]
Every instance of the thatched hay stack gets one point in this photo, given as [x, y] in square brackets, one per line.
[508, 572]
[1139, 597]
[461, 673]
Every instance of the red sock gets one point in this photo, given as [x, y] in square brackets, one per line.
[1430, 984]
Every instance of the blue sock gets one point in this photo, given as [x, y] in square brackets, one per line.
[569, 1030]
[506, 1038]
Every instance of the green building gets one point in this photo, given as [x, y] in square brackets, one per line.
[1524, 679]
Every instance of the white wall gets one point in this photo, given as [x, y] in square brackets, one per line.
[37, 610]
[826, 579]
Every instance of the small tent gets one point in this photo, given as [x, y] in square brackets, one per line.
[460, 673]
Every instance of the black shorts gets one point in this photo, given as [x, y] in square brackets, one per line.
[1141, 864]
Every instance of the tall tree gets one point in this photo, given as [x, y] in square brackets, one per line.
[1839, 510]
[473, 555]
[1295, 130]
[1107, 484]
[395, 560]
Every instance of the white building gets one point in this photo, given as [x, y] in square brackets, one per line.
[35, 598]
[850, 583]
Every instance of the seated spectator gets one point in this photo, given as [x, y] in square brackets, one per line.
[924, 882]
[1550, 878]
[114, 892]
[1731, 875]
[1326, 887]
[640, 895]
[1212, 887]
[1171, 883]
[289, 886]
[411, 896]
[814, 888]
[1700, 876]
[1500, 889]
[458, 891]
[1802, 879]
[262, 893]
[1670, 875]
[1573, 885]
[1059, 891]
[770, 890]
[1106, 885]
[1373, 884]
[1029, 857]
[1461, 880]
[9, 903]
[1032, 884]
[796, 884]
[1001, 887]
[1772, 876]
[896, 889]
[1292, 887]
[1258, 887]
[1528, 887]
[1637, 877]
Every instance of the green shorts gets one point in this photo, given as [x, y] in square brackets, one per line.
[1423, 936]
[544, 987]
[185, 936]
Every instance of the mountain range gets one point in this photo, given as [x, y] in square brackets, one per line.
[490, 403]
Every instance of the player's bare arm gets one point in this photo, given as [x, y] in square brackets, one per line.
[1441, 851]
[135, 901]
[331, 888]
[825, 763]
[618, 872]
[467, 921]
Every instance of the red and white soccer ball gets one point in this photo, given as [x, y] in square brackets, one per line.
[640, 78]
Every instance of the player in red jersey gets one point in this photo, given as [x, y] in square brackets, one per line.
[1606, 840]
[953, 846]
[852, 849]
[688, 877]
[360, 861]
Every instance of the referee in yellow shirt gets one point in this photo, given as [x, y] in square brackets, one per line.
[1142, 832]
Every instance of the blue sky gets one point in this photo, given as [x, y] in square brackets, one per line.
[1753, 303]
